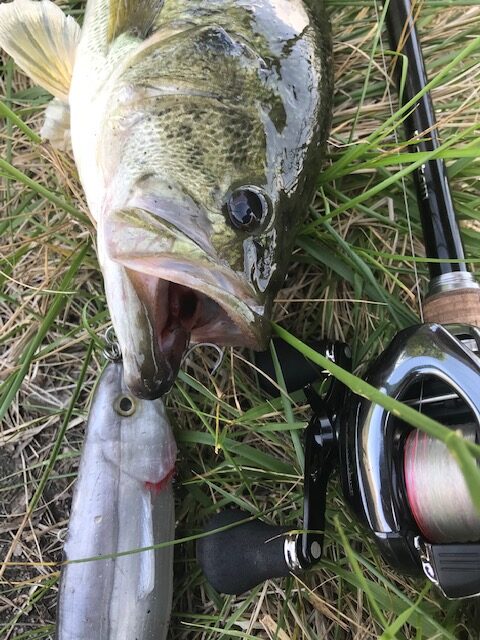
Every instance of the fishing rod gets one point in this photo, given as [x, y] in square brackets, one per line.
[402, 484]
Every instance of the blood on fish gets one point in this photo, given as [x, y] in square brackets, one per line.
[156, 487]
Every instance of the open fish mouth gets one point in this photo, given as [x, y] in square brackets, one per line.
[179, 314]
[161, 302]
[198, 302]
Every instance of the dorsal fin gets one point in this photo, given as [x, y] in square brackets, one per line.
[132, 16]
[42, 40]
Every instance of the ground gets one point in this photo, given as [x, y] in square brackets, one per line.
[357, 275]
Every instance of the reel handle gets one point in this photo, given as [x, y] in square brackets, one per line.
[239, 558]
[242, 556]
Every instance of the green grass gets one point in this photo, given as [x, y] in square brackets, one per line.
[357, 274]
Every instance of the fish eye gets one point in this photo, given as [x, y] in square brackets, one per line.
[246, 208]
[124, 405]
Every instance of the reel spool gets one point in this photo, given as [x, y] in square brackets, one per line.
[436, 490]
[402, 485]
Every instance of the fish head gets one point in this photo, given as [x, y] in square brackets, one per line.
[208, 145]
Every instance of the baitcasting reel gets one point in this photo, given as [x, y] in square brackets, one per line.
[403, 485]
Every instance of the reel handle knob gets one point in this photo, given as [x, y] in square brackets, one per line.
[243, 556]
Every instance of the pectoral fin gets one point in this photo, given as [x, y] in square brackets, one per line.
[42, 40]
[56, 128]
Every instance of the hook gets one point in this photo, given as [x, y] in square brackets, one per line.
[220, 351]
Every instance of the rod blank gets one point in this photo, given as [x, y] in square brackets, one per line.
[440, 227]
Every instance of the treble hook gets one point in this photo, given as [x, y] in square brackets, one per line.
[220, 351]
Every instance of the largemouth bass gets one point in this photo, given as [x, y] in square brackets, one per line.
[197, 129]
[122, 502]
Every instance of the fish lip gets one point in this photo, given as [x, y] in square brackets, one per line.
[147, 386]
[169, 249]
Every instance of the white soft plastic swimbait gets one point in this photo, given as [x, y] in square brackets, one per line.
[123, 501]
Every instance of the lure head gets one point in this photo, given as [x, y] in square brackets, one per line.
[134, 434]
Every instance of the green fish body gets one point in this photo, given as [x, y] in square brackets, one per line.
[197, 129]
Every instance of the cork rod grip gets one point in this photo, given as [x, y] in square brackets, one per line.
[454, 307]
